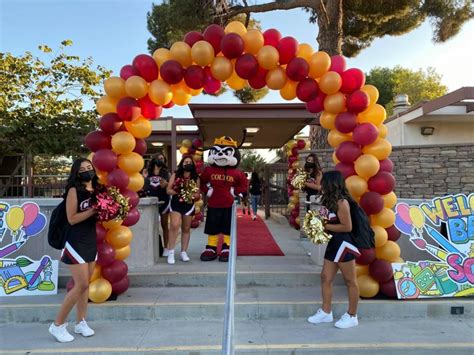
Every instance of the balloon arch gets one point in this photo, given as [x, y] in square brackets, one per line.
[241, 58]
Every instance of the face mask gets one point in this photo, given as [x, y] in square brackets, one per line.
[309, 165]
[159, 163]
[87, 175]
[188, 167]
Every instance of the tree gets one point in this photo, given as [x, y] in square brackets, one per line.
[252, 161]
[419, 85]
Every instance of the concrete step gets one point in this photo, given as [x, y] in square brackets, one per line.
[252, 302]
[277, 336]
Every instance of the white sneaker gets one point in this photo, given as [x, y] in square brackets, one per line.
[347, 321]
[254, 217]
[184, 256]
[320, 317]
[166, 252]
[83, 329]
[171, 257]
[60, 333]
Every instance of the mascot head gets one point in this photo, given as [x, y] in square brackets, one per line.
[225, 152]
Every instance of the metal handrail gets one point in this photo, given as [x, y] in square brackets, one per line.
[228, 336]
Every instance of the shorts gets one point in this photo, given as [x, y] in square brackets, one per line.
[183, 208]
[165, 207]
[218, 221]
[341, 248]
[79, 249]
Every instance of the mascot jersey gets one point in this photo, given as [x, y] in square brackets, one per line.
[224, 182]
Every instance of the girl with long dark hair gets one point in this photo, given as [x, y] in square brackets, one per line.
[341, 251]
[313, 184]
[182, 212]
[255, 190]
[80, 250]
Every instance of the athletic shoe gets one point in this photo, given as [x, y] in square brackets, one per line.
[347, 321]
[320, 317]
[171, 257]
[224, 257]
[184, 256]
[60, 333]
[209, 254]
[254, 218]
[166, 252]
[83, 329]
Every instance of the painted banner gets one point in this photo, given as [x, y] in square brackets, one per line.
[19, 274]
[443, 228]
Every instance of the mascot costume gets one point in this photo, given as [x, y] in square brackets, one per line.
[221, 182]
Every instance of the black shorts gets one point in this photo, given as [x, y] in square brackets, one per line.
[341, 248]
[165, 206]
[183, 208]
[218, 221]
[79, 249]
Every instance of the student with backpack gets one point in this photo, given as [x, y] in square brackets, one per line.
[341, 250]
[80, 249]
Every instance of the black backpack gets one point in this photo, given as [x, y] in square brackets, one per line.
[364, 236]
[58, 226]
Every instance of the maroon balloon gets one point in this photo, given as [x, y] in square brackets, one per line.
[100, 233]
[195, 223]
[393, 233]
[295, 213]
[140, 146]
[121, 286]
[105, 160]
[259, 80]
[211, 85]
[146, 67]
[105, 254]
[348, 152]
[115, 271]
[132, 218]
[118, 178]
[345, 122]
[365, 133]
[197, 143]
[246, 66]
[213, 34]
[383, 183]
[110, 123]
[300, 144]
[307, 89]
[358, 101]
[316, 105]
[352, 79]
[232, 45]
[389, 289]
[171, 71]
[127, 71]
[294, 151]
[271, 37]
[297, 69]
[133, 198]
[346, 169]
[338, 64]
[194, 77]
[149, 109]
[199, 216]
[128, 108]
[386, 165]
[292, 159]
[287, 48]
[366, 256]
[169, 105]
[371, 202]
[69, 284]
[98, 140]
[381, 270]
[192, 37]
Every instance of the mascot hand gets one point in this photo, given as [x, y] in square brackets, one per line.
[209, 192]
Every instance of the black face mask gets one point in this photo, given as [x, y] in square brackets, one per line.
[308, 166]
[188, 167]
[87, 176]
[159, 163]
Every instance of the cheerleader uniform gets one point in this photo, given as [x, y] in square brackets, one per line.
[154, 189]
[180, 206]
[81, 246]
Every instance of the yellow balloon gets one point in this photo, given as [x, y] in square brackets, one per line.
[335, 103]
[105, 105]
[327, 120]
[119, 236]
[253, 41]
[381, 236]
[136, 182]
[381, 149]
[319, 64]
[123, 142]
[276, 78]
[291, 206]
[181, 51]
[305, 51]
[221, 68]
[290, 144]
[368, 287]
[99, 290]
[362, 270]
[385, 218]
[236, 27]
[288, 91]
[96, 273]
[417, 217]
[390, 251]
[14, 218]
[356, 185]
[197, 209]
[398, 260]
[199, 203]
[366, 165]
[113, 223]
[197, 157]
[160, 92]
[334, 158]
[330, 83]
[294, 199]
[181, 94]
[139, 128]
[195, 92]
[297, 220]
[131, 162]
[389, 200]
[268, 57]
[115, 87]
[236, 82]
[136, 87]
[375, 114]
[202, 53]
[382, 131]
[161, 55]
[183, 150]
[372, 92]
[102, 176]
[123, 253]
[186, 143]
[335, 138]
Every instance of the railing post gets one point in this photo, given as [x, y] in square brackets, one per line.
[266, 187]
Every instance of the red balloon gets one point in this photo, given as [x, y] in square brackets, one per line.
[346, 169]
[297, 69]
[105, 254]
[386, 165]
[197, 143]
[118, 178]
[317, 104]
[295, 213]
[110, 123]
[213, 34]
[307, 89]
[365, 133]
[388, 288]
[140, 146]
[393, 233]
[345, 122]
[259, 80]
[232, 45]
[381, 270]
[271, 37]
[352, 79]
[300, 144]
[127, 71]
[171, 71]
[358, 101]
[115, 271]
[348, 152]
[195, 223]
[194, 77]
[294, 151]
[246, 66]
[192, 37]
[371, 202]
[169, 105]
[383, 183]
[211, 85]
[338, 64]
[366, 256]
[105, 160]
[128, 108]
[146, 67]
[121, 286]
[191, 151]
[287, 48]
[133, 198]
[149, 109]
[70, 284]
[98, 140]
[199, 216]
[100, 233]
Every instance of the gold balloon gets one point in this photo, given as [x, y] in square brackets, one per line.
[115, 87]
[139, 128]
[330, 83]
[131, 162]
[181, 51]
[106, 104]
[294, 200]
[236, 82]
[334, 158]
[99, 290]
[319, 64]
[288, 91]
[291, 206]
[382, 131]
[335, 138]
[327, 120]
[356, 185]
[160, 92]
[96, 273]
[368, 287]
[199, 203]
[305, 51]
[113, 223]
[161, 55]
[276, 78]
[253, 41]
[390, 251]
[362, 269]
[268, 57]
[290, 144]
[389, 200]
[197, 157]
[375, 114]
[102, 176]
[119, 236]
[136, 87]
[202, 53]
[366, 165]
[381, 149]
[335, 103]
[183, 150]
[123, 253]
[195, 92]
[123, 142]
[385, 218]
[221, 68]
[372, 92]
[181, 94]
[197, 209]
[186, 143]
[381, 236]
[236, 27]
[136, 182]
